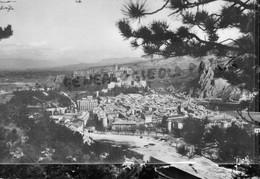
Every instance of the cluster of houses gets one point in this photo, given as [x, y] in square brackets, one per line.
[70, 117]
[129, 110]
[114, 70]
[126, 111]
[122, 76]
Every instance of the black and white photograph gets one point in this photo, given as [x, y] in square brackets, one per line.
[113, 89]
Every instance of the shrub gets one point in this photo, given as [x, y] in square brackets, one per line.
[182, 149]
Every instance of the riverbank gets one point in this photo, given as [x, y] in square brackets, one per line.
[166, 152]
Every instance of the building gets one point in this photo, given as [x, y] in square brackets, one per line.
[117, 71]
[87, 104]
[116, 67]
[76, 125]
[114, 84]
[57, 110]
[84, 117]
[175, 122]
[148, 117]
[123, 125]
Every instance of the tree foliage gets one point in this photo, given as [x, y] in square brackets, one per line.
[159, 38]
[78, 171]
[235, 143]
[59, 171]
[95, 122]
[36, 97]
[137, 171]
[141, 128]
[39, 139]
[194, 131]
[3, 143]
[182, 149]
[6, 32]
[229, 142]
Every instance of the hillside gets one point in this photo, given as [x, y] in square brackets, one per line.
[182, 62]
[101, 63]
[199, 82]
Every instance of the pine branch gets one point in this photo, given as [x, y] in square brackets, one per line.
[243, 118]
[199, 26]
[150, 13]
[228, 40]
[250, 116]
[243, 4]
[188, 5]
[214, 43]
[137, 10]
[6, 32]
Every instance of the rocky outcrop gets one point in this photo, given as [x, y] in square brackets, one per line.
[54, 81]
[59, 79]
[206, 80]
[210, 87]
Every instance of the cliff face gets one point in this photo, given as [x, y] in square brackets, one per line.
[206, 80]
[210, 87]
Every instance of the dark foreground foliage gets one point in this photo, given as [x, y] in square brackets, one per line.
[99, 171]
[230, 142]
[78, 171]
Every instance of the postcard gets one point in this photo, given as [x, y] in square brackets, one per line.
[169, 83]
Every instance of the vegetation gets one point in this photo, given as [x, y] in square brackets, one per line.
[228, 143]
[40, 139]
[182, 149]
[176, 132]
[133, 129]
[93, 121]
[159, 38]
[6, 32]
[78, 171]
[193, 132]
[95, 171]
[4, 143]
[38, 97]
[141, 128]
[236, 143]
[142, 172]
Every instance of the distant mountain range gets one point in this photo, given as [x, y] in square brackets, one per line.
[33, 64]
[135, 63]
[110, 61]
[104, 62]
[22, 64]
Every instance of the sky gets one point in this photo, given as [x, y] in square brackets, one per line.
[62, 30]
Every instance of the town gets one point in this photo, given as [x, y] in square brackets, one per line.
[128, 111]
[131, 111]
[134, 89]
